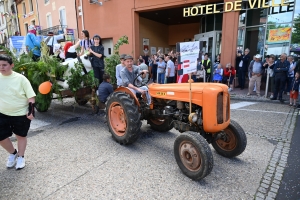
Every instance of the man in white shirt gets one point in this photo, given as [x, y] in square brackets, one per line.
[52, 40]
[170, 72]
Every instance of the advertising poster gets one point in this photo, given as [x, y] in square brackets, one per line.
[189, 53]
[279, 35]
[70, 35]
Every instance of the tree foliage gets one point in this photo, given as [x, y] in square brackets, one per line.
[296, 31]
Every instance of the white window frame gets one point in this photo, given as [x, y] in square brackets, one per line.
[49, 25]
[30, 3]
[63, 8]
[24, 8]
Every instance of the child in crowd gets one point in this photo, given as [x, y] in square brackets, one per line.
[218, 72]
[105, 88]
[16, 111]
[294, 90]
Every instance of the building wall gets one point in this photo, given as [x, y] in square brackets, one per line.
[182, 32]
[27, 17]
[53, 7]
[111, 20]
[157, 34]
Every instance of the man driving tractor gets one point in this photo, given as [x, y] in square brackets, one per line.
[129, 74]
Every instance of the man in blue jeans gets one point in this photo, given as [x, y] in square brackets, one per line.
[242, 68]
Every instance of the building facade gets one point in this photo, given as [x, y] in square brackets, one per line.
[9, 25]
[56, 15]
[27, 14]
[265, 27]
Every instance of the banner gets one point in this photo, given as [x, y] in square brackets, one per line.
[70, 35]
[189, 53]
[279, 35]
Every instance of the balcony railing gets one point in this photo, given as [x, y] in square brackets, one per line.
[55, 29]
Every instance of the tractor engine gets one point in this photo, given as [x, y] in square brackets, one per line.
[178, 111]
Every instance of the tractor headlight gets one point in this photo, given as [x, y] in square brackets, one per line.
[193, 117]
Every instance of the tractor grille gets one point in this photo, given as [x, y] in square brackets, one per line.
[223, 108]
[220, 108]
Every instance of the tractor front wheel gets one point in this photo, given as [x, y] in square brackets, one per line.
[193, 155]
[233, 142]
[123, 118]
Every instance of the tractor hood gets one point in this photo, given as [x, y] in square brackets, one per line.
[180, 91]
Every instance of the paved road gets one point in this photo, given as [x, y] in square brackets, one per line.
[71, 155]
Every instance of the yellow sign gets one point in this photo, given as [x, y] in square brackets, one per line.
[161, 93]
[229, 6]
[279, 35]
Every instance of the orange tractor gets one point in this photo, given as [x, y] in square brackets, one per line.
[206, 122]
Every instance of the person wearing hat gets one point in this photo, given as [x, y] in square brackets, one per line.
[119, 68]
[52, 40]
[70, 50]
[256, 71]
[96, 54]
[32, 43]
[129, 73]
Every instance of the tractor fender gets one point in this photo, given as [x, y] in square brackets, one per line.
[128, 91]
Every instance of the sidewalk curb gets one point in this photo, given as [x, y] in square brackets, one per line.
[261, 99]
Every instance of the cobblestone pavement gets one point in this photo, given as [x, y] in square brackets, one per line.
[71, 155]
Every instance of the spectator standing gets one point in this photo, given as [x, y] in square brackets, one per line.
[105, 88]
[146, 58]
[32, 43]
[170, 71]
[52, 40]
[96, 57]
[144, 67]
[229, 74]
[291, 74]
[256, 71]
[270, 73]
[154, 68]
[119, 68]
[280, 70]
[86, 42]
[16, 111]
[217, 61]
[161, 70]
[294, 90]
[207, 66]
[242, 68]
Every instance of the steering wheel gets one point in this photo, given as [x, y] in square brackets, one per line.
[137, 82]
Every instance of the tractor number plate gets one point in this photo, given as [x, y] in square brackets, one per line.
[161, 93]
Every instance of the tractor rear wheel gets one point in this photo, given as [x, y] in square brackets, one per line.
[161, 125]
[193, 155]
[233, 143]
[123, 118]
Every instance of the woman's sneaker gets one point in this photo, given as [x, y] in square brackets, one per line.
[11, 161]
[20, 163]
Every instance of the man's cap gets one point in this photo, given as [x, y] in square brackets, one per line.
[50, 33]
[257, 56]
[122, 56]
[128, 57]
[31, 27]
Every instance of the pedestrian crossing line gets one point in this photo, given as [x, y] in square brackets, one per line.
[265, 111]
[241, 104]
[35, 124]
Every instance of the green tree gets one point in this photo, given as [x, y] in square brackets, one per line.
[296, 31]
